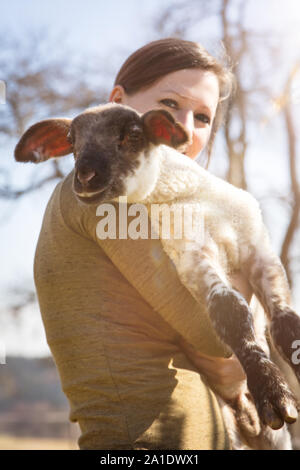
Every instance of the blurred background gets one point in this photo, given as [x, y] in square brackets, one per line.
[58, 57]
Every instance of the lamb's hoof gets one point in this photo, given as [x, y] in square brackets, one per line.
[274, 400]
[275, 418]
[270, 418]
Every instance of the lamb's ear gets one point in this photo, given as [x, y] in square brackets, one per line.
[161, 128]
[44, 140]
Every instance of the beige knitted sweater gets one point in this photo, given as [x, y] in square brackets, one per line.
[113, 311]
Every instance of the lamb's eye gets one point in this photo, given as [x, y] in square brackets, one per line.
[131, 133]
[135, 132]
[132, 139]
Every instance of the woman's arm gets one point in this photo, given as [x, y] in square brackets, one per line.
[150, 271]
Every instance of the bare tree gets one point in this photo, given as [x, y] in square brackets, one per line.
[287, 107]
[40, 84]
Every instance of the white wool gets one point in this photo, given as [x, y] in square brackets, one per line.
[142, 183]
[230, 215]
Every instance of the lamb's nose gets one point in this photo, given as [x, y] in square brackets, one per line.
[85, 174]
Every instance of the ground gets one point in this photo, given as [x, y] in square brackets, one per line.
[8, 442]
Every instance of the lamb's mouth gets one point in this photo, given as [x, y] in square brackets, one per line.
[91, 196]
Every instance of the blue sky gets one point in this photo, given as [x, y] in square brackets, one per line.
[114, 28]
[83, 22]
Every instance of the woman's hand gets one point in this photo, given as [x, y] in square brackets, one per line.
[218, 370]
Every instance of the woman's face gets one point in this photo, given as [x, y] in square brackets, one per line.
[190, 95]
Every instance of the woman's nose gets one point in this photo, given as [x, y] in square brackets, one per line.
[186, 118]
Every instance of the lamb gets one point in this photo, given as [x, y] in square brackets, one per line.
[121, 153]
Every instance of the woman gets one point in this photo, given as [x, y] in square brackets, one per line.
[131, 375]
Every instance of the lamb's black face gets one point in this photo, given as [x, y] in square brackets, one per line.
[109, 143]
[107, 146]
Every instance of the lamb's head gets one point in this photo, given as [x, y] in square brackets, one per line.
[111, 144]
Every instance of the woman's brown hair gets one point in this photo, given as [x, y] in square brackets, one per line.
[159, 58]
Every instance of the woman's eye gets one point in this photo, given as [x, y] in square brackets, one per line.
[203, 118]
[174, 105]
[170, 103]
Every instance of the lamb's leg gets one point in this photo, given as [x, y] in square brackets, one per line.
[268, 279]
[233, 322]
